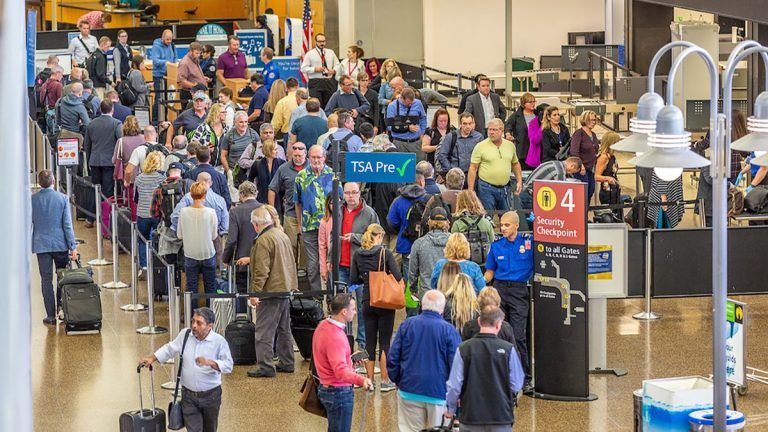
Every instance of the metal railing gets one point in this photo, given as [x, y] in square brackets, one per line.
[615, 69]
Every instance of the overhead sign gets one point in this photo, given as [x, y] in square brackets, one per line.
[211, 33]
[735, 364]
[288, 67]
[31, 43]
[67, 151]
[560, 291]
[252, 41]
[380, 167]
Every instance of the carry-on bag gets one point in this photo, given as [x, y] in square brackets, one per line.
[80, 299]
[309, 400]
[241, 337]
[386, 291]
[144, 420]
[175, 415]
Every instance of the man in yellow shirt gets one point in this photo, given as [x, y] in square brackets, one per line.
[281, 119]
[496, 160]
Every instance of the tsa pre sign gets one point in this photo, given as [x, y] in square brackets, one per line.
[560, 208]
[380, 167]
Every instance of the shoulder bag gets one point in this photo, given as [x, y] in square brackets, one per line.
[175, 416]
[309, 400]
[386, 291]
[119, 167]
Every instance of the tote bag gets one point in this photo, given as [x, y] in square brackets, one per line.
[386, 291]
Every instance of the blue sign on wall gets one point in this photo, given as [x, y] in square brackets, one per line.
[380, 167]
[31, 43]
[288, 67]
[251, 43]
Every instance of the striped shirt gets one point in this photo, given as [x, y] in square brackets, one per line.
[551, 170]
[145, 188]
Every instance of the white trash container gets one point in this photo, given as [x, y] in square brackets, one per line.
[668, 401]
[703, 421]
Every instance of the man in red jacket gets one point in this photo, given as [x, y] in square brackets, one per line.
[332, 356]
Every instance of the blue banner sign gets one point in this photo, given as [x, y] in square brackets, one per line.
[380, 167]
[31, 38]
[251, 43]
[289, 67]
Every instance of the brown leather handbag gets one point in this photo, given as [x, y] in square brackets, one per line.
[386, 291]
[309, 401]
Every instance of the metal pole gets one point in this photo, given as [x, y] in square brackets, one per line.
[172, 322]
[69, 183]
[647, 315]
[151, 328]
[134, 306]
[115, 283]
[187, 309]
[508, 50]
[99, 261]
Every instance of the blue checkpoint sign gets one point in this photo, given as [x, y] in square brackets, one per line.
[379, 167]
[251, 43]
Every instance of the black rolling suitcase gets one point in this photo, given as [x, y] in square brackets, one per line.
[83, 195]
[80, 299]
[144, 420]
[241, 337]
[306, 314]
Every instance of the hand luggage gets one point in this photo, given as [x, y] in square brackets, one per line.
[85, 200]
[144, 420]
[80, 299]
[386, 291]
[241, 337]
[306, 314]
[442, 427]
[224, 308]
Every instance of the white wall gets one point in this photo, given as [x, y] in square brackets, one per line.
[462, 37]
[346, 26]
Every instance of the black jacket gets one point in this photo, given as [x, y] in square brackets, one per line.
[518, 127]
[551, 144]
[261, 176]
[241, 231]
[365, 261]
[100, 78]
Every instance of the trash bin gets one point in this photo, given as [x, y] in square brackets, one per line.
[703, 420]
[668, 401]
[637, 398]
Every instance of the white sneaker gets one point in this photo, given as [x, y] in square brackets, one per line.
[387, 386]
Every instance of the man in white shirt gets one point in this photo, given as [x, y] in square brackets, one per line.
[83, 45]
[485, 105]
[319, 65]
[204, 357]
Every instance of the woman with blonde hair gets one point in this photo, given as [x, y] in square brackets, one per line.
[554, 134]
[389, 70]
[147, 181]
[379, 323]
[209, 132]
[468, 212]
[606, 172]
[585, 146]
[277, 92]
[457, 250]
[264, 169]
[447, 276]
[460, 302]
[488, 297]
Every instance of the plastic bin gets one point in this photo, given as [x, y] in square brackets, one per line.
[703, 420]
[667, 402]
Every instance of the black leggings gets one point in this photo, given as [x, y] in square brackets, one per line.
[379, 324]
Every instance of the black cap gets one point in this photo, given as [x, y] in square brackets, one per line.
[438, 214]
[176, 165]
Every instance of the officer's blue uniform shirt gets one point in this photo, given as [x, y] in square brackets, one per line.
[271, 74]
[511, 260]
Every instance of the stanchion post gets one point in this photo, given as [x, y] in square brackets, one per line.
[115, 283]
[151, 328]
[647, 315]
[134, 306]
[173, 324]
[187, 309]
[99, 261]
[69, 183]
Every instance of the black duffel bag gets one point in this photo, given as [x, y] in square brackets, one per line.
[756, 200]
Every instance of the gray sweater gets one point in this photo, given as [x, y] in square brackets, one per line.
[367, 216]
[426, 251]
[142, 89]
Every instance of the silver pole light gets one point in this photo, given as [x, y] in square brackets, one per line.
[757, 125]
[648, 107]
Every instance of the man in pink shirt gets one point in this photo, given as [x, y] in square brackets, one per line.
[96, 19]
[332, 356]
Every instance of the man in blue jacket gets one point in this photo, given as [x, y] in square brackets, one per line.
[53, 238]
[163, 50]
[419, 362]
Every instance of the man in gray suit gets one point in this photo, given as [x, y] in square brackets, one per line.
[101, 136]
[485, 105]
[241, 237]
[53, 238]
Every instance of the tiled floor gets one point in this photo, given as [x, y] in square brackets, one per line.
[84, 382]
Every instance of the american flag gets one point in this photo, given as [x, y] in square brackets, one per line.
[306, 42]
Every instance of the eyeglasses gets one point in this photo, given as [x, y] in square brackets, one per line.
[297, 148]
[351, 192]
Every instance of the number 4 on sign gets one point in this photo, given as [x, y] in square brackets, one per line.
[567, 201]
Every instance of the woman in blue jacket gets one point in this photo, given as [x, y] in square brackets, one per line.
[457, 250]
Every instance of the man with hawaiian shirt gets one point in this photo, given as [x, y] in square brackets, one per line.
[313, 184]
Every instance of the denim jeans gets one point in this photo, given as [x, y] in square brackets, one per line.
[45, 263]
[145, 227]
[158, 85]
[193, 267]
[589, 179]
[493, 198]
[339, 402]
[526, 200]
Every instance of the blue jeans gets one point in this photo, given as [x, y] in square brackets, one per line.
[589, 179]
[360, 338]
[45, 263]
[339, 402]
[526, 200]
[193, 267]
[493, 198]
[158, 82]
[145, 227]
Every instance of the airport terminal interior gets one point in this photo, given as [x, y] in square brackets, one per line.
[638, 332]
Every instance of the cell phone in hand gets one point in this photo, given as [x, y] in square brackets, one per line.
[359, 356]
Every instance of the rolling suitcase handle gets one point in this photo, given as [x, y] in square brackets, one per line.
[151, 392]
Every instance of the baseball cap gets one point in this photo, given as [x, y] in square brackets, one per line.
[438, 214]
[200, 96]
[176, 165]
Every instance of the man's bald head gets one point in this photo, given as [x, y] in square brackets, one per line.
[205, 178]
[150, 133]
[77, 88]
[510, 222]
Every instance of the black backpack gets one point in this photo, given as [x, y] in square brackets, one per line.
[172, 193]
[87, 102]
[90, 62]
[185, 161]
[435, 201]
[156, 147]
[343, 148]
[414, 217]
[127, 94]
[756, 200]
[479, 243]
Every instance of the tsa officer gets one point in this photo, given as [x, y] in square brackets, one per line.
[510, 265]
[271, 72]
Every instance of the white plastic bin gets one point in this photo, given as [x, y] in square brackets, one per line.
[668, 401]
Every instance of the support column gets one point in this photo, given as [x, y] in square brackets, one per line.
[508, 50]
